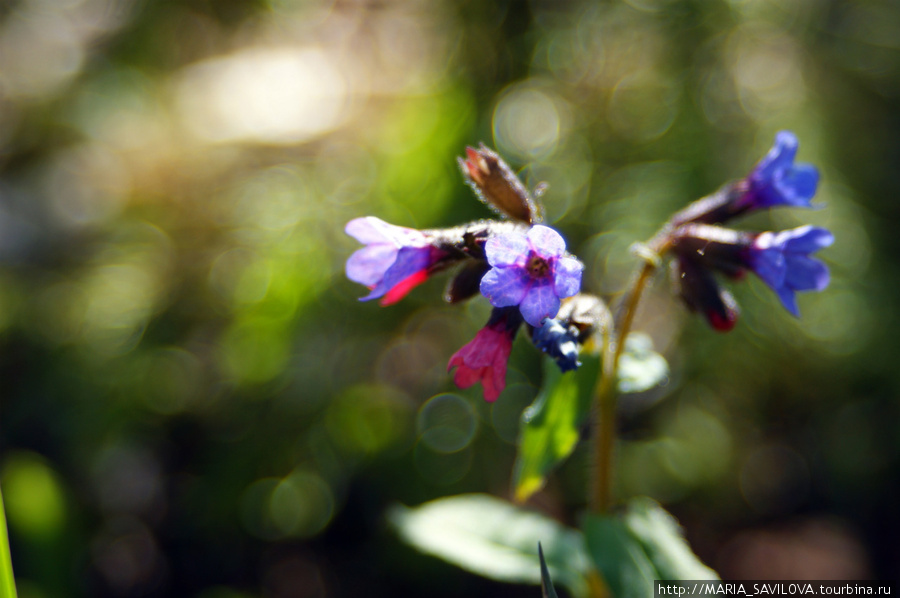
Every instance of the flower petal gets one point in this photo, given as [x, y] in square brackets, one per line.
[788, 300]
[466, 376]
[805, 273]
[410, 260]
[769, 264]
[779, 157]
[367, 229]
[807, 239]
[505, 287]
[540, 302]
[510, 249]
[368, 265]
[798, 184]
[370, 230]
[567, 276]
[494, 380]
[402, 288]
[546, 241]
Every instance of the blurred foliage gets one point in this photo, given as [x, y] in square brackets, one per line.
[194, 403]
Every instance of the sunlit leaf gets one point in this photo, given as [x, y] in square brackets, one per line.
[638, 545]
[640, 367]
[495, 539]
[663, 541]
[550, 427]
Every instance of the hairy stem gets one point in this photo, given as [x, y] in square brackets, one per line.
[604, 436]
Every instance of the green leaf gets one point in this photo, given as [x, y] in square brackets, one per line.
[642, 543]
[619, 557]
[495, 539]
[663, 541]
[550, 427]
[640, 367]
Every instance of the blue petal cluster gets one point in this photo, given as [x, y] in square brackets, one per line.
[782, 261]
[777, 181]
[558, 342]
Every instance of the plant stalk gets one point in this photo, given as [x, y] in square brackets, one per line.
[604, 432]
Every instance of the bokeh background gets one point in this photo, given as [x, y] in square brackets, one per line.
[194, 403]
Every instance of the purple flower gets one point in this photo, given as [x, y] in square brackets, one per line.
[394, 261]
[782, 261]
[777, 181]
[484, 358]
[530, 270]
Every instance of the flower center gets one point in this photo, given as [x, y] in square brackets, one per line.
[537, 266]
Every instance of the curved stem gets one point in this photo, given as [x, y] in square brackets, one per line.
[604, 436]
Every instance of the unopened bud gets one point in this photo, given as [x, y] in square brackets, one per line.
[497, 185]
[701, 293]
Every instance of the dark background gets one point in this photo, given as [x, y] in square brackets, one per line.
[195, 404]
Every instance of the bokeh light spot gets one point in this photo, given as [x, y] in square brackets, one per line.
[172, 380]
[442, 469]
[368, 419]
[774, 479]
[254, 350]
[33, 495]
[301, 505]
[526, 122]
[272, 95]
[642, 107]
[447, 423]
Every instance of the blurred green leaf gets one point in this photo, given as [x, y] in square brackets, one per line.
[619, 557]
[640, 367]
[663, 541]
[638, 545]
[550, 426]
[495, 539]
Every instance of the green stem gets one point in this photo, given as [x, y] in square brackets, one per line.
[604, 436]
[7, 581]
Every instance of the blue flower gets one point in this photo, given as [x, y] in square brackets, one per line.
[782, 261]
[558, 342]
[394, 261]
[530, 270]
[777, 181]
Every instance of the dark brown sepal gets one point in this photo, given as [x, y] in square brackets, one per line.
[467, 281]
[701, 293]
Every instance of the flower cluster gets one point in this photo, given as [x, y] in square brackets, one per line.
[782, 260]
[523, 269]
